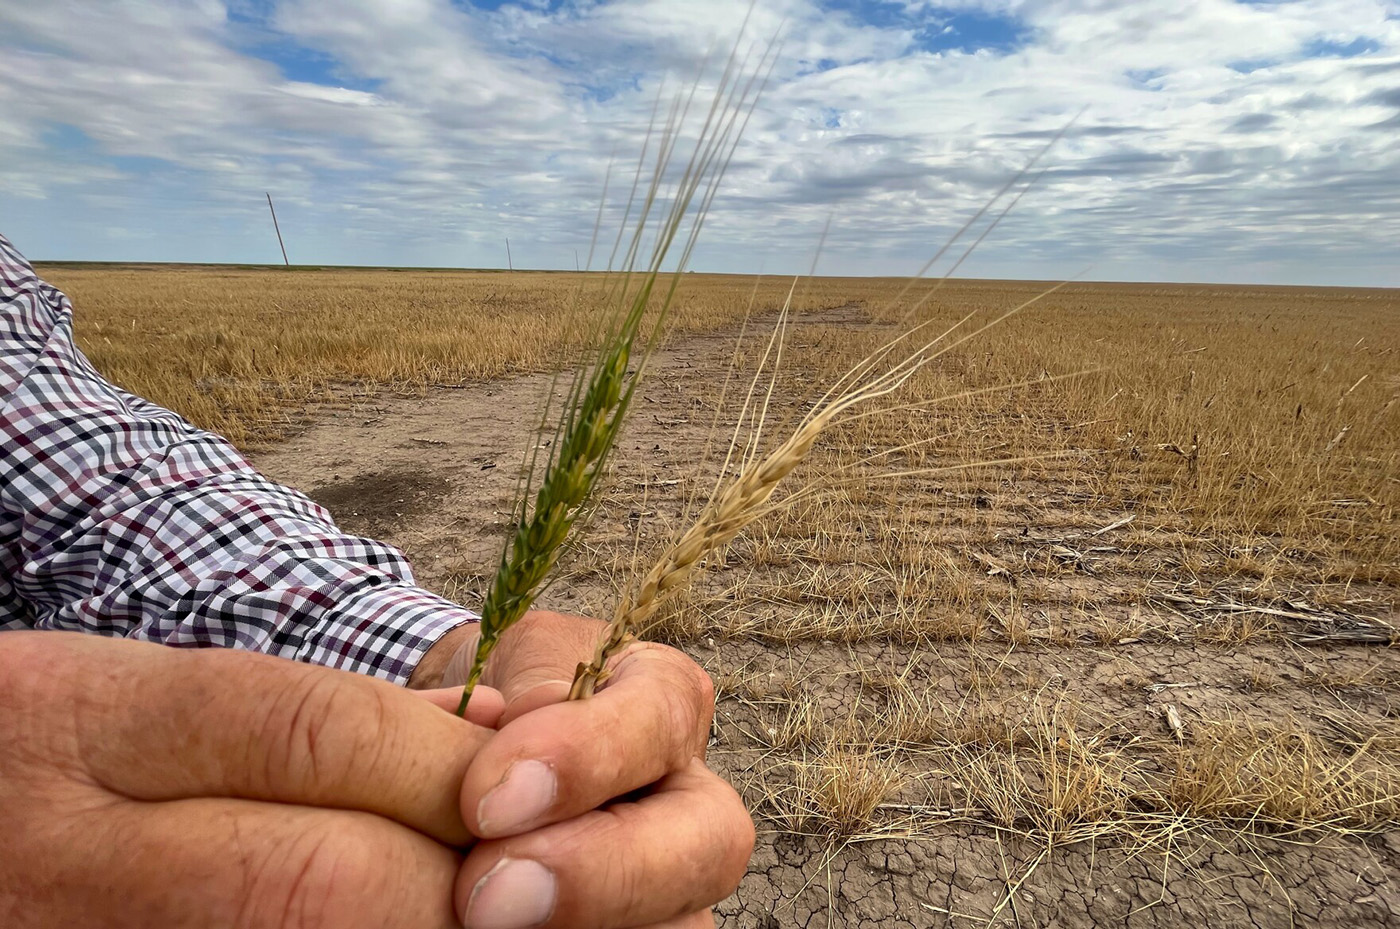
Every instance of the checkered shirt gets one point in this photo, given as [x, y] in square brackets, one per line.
[117, 517]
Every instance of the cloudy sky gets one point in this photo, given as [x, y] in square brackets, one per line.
[1221, 140]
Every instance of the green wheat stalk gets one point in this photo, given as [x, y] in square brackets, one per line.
[592, 417]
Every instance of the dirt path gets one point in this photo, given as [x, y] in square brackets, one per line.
[434, 474]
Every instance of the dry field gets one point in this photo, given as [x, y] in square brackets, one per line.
[1137, 668]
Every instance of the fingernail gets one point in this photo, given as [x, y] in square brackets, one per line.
[520, 798]
[515, 894]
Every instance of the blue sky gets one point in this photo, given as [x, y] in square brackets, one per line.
[1220, 140]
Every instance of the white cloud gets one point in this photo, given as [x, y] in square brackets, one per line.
[1221, 140]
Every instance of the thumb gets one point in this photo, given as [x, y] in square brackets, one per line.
[534, 662]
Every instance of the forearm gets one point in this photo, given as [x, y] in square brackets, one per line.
[119, 517]
[229, 560]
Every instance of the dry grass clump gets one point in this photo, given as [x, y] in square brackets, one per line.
[1042, 766]
[1283, 775]
[837, 795]
[1378, 675]
[1060, 786]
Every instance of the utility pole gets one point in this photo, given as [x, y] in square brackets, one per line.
[278, 230]
[509, 263]
[576, 267]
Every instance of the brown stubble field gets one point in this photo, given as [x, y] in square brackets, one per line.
[1137, 667]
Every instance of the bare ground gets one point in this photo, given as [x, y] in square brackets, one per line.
[434, 475]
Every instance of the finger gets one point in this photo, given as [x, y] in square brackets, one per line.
[533, 665]
[156, 723]
[485, 707]
[565, 759]
[669, 854]
[254, 865]
[530, 697]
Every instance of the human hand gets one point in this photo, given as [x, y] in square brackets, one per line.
[558, 848]
[155, 786]
[142, 785]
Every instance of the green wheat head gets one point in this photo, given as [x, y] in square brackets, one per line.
[568, 483]
[593, 412]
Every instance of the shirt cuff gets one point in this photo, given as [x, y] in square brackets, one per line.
[383, 631]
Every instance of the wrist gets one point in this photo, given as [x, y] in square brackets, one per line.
[438, 659]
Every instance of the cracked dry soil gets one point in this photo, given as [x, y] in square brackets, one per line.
[433, 474]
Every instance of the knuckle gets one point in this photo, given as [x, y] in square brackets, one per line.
[699, 691]
[680, 723]
[692, 678]
[704, 687]
[294, 729]
[706, 704]
[679, 697]
[303, 886]
[631, 888]
[629, 872]
[741, 851]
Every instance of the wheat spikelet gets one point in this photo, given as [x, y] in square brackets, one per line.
[729, 512]
[722, 519]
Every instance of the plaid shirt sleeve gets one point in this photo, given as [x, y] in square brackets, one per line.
[118, 517]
